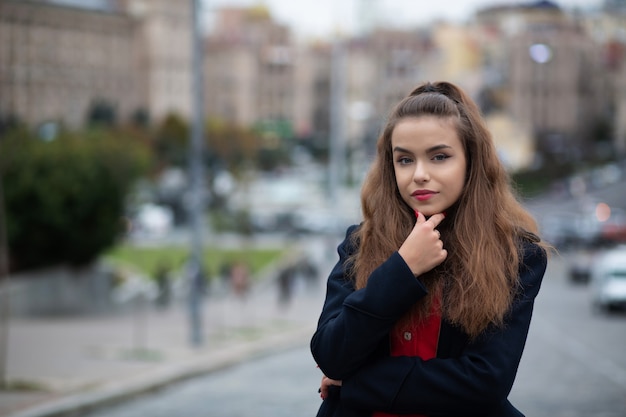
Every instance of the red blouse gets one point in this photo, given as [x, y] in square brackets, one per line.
[420, 340]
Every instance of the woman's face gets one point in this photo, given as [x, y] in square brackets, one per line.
[429, 162]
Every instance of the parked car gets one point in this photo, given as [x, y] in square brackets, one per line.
[608, 279]
[614, 228]
[579, 265]
[152, 220]
[570, 230]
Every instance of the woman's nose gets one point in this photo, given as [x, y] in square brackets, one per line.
[421, 173]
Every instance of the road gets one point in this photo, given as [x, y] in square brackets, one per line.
[574, 366]
[283, 385]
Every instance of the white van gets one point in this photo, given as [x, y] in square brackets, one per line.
[608, 279]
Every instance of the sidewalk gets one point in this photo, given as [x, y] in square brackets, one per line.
[71, 365]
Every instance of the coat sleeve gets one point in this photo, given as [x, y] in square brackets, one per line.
[475, 383]
[353, 324]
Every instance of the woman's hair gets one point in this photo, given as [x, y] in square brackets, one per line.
[481, 232]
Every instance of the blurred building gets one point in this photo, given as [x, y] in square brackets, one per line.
[551, 79]
[164, 54]
[382, 67]
[608, 30]
[257, 75]
[544, 69]
[537, 73]
[250, 72]
[317, 87]
[620, 111]
[459, 56]
[57, 62]
[387, 64]
[60, 59]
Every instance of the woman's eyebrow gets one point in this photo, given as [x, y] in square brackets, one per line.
[438, 148]
[431, 149]
[401, 150]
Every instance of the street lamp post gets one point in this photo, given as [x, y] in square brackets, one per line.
[196, 178]
[5, 295]
[337, 141]
[541, 54]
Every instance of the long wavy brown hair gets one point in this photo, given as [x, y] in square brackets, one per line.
[481, 232]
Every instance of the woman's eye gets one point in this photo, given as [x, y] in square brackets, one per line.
[404, 160]
[440, 157]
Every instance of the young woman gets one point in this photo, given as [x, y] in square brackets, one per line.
[428, 309]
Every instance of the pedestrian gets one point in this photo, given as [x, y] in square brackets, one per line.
[239, 279]
[162, 277]
[309, 273]
[224, 272]
[196, 276]
[286, 278]
[428, 308]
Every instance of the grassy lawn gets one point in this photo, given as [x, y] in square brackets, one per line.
[148, 259]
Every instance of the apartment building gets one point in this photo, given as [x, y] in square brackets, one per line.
[550, 70]
[56, 61]
[250, 72]
[313, 77]
[164, 51]
[546, 69]
[386, 64]
[608, 30]
[382, 67]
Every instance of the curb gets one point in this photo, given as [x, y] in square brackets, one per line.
[111, 393]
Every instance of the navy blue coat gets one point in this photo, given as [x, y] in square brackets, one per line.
[466, 378]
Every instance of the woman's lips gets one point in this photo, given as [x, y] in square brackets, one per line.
[423, 195]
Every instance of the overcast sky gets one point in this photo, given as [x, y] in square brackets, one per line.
[321, 17]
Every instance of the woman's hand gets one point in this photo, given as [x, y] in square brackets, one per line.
[326, 383]
[423, 249]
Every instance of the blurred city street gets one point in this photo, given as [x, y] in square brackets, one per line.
[573, 365]
[82, 361]
[87, 362]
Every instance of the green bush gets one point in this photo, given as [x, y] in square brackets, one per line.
[65, 199]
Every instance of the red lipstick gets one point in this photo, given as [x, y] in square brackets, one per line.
[423, 195]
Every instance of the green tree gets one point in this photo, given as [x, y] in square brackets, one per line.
[234, 146]
[171, 141]
[65, 199]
